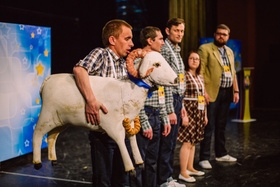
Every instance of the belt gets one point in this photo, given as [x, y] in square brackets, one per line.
[177, 96]
[226, 88]
[152, 110]
[191, 99]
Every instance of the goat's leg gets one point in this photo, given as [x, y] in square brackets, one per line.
[118, 135]
[135, 150]
[37, 143]
[52, 137]
[39, 131]
[133, 143]
[128, 165]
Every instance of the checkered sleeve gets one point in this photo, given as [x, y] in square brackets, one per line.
[93, 61]
[169, 100]
[163, 115]
[145, 125]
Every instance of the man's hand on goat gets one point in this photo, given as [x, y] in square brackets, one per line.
[92, 112]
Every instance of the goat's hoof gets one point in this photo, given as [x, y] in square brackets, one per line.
[38, 166]
[54, 162]
[132, 173]
[141, 166]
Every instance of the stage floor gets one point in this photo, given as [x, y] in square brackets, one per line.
[256, 145]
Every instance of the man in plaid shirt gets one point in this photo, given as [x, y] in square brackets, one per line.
[174, 95]
[107, 164]
[153, 117]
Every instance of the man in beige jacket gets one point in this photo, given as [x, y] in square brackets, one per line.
[221, 86]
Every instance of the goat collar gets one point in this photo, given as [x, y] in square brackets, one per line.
[141, 83]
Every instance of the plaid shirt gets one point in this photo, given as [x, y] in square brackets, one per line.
[98, 63]
[180, 69]
[226, 82]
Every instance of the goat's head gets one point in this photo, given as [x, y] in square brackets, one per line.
[153, 66]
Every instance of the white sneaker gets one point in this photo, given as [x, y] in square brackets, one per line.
[205, 164]
[226, 158]
[174, 183]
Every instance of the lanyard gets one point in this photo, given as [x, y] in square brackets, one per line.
[112, 64]
[176, 59]
[197, 84]
[224, 57]
[114, 75]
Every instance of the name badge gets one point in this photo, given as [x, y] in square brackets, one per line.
[201, 102]
[227, 71]
[181, 81]
[161, 97]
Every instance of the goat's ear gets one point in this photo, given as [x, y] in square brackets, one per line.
[148, 72]
[145, 65]
[145, 68]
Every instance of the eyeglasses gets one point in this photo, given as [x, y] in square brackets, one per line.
[221, 34]
[195, 59]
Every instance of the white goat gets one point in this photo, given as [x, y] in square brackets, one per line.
[63, 104]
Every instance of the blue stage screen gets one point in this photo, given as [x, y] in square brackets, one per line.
[25, 61]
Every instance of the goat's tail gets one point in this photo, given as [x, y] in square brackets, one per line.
[43, 84]
[127, 126]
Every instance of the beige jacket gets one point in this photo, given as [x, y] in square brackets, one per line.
[212, 67]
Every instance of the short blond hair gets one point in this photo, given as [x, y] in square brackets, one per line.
[223, 26]
[113, 28]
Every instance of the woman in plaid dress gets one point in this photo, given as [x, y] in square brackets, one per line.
[192, 129]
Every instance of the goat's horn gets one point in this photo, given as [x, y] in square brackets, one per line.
[137, 53]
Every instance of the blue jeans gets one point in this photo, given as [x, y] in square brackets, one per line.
[168, 144]
[149, 151]
[217, 113]
[107, 164]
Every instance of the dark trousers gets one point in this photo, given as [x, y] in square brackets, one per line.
[217, 113]
[107, 164]
[168, 144]
[149, 151]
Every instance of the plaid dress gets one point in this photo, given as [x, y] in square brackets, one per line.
[194, 132]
